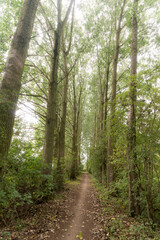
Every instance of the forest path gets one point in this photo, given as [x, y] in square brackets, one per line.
[74, 213]
[78, 213]
[79, 220]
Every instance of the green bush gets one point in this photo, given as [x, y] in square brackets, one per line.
[23, 182]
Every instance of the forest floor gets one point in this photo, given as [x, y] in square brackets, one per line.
[79, 212]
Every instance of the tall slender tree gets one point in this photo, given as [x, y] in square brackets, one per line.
[75, 128]
[131, 136]
[11, 80]
[64, 97]
[111, 138]
[53, 83]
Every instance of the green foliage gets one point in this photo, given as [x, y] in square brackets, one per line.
[94, 163]
[5, 235]
[117, 224]
[9, 11]
[23, 182]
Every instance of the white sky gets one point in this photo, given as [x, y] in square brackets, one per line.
[24, 111]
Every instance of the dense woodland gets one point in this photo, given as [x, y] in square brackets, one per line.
[80, 89]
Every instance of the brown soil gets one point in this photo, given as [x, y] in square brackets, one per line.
[80, 214]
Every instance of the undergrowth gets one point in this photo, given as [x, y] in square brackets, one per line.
[117, 223]
[24, 184]
[20, 223]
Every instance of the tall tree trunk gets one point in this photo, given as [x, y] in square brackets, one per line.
[95, 131]
[52, 95]
[52, 103]
[101, 122]
[56, 140]
[61, 153]
[11, 80]
[111, 138]
[104, 160]
[106, 97]
[79, 142]
[76, 117]
[63, 118]
[74, 137]
[131, 136]
[78, 130]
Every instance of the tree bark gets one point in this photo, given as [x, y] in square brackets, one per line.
[74, 137]
[52, 104]
[11, 80]
[63, 118]
[61, 153]
[131, 136]
[104, 160]
[101, 133]
[76, 117]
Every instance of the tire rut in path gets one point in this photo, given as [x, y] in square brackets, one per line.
[81, 214]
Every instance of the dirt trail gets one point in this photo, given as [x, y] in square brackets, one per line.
[73, 214]
[77, 213]
[80, 214]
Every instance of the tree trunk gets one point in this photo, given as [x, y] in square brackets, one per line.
[52, 95]
[11, 80]
[74, 137]
[63, 118]
[106, 97]
[61, 153]
[56, 141]
[52, 104]
[131, 136]
[76, 118]
[104, 162]
[78, 130]
[102, 124]
[111, 138]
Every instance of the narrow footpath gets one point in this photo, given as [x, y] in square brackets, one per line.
[77, 213]
[81, 214]
[74, 213]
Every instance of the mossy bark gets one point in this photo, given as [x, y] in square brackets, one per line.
[134, 207]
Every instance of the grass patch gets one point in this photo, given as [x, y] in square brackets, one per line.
[74, 182]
